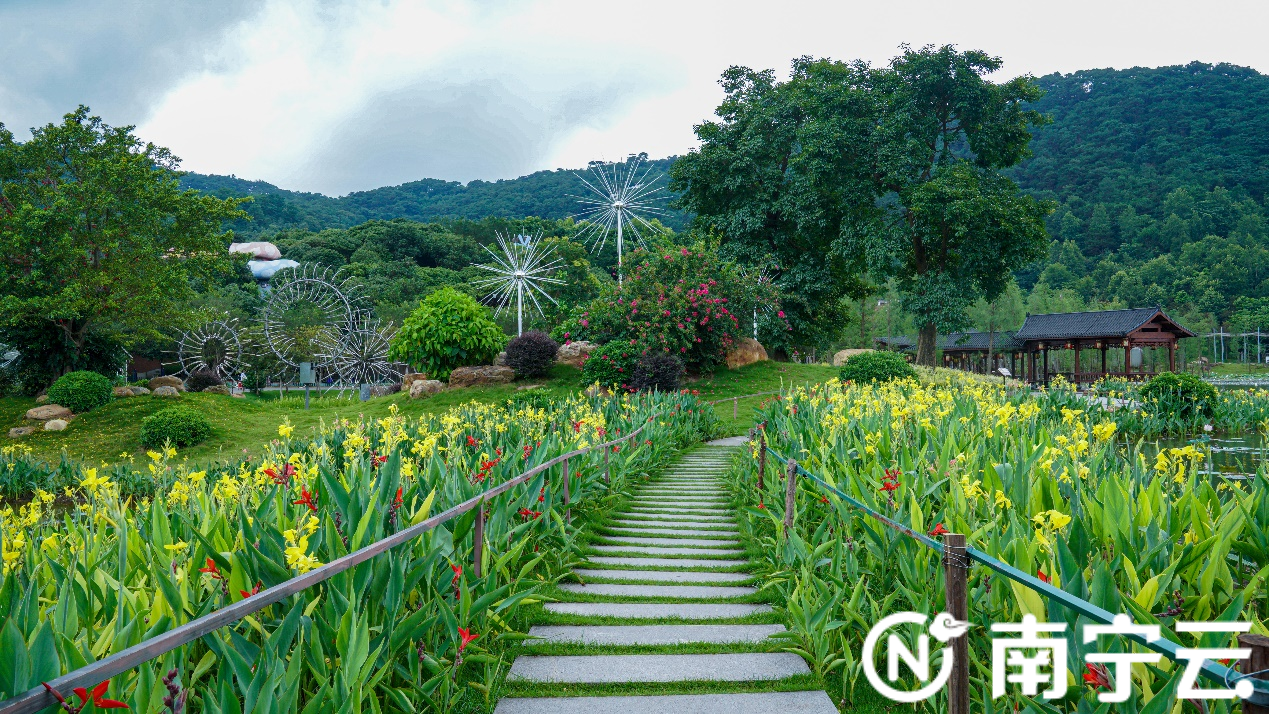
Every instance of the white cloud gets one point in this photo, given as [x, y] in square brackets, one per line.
[337, 95]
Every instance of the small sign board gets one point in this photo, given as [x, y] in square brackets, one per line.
[1004, 372]
[306, 373]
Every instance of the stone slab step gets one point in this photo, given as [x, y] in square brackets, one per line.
[752, 703]
[677, 518]
[700, 542]
[704, 491]
[662, 510]
[654, 610]
[654, 634]
[665, 562]
[702, 592]
[683, 503]
[610, 669]
[682, 576]
[719, 526]
[660, 494]
[673, 532]
[649, 550]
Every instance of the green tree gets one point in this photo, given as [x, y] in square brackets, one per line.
[948, 226]
[449, 329]
[97, 239]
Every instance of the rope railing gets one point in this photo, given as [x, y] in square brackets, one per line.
[1213, 671]
[40, 698]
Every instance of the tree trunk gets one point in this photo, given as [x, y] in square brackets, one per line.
[927, 340]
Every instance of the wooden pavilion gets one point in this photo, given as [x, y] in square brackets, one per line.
[968, 351]
[1133, 330]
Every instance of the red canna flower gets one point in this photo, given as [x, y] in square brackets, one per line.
[889, 486]
[823, 499]
[212, 570]
[306, 499]
[472, 442]
[1043, 578]
[1097, 676]
[527, 450]
[397, 501]
[254, 590]
[379, 460]
[280, 479]
[760, 505]
[97, 697]
[939, 530]
[458, 573]
[577, 427]
[466, 636]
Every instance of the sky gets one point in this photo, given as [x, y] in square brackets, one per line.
[334, 96]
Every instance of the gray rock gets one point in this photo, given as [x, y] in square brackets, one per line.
[42, 399]
[654, 610]
[138, 391]
[575, 353]
[222, 389]
[610, 669]
[18, 432]
[665, 576]
[481, 375]
[653, 634]
[383, 390]
[122, 392]
[665, 562]
[168, 381]
[166, 391]
[421, 388]
[816, 702]
[501, 359]
[701, 592]
[47, 411]
[55, 425]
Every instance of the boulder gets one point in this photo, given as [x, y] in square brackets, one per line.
[747, 351]
[259, 250]
[47, 411]
[217, 389]
[18, 432]
[165, 391]
[383, 390]
[481, 374]
[501, 359]
[840, 358]
[42, 399]
[575, 353]
[174, 382]
[420, 388]
[122, 392]
[138, 391]
[55, 425]
[408, 380]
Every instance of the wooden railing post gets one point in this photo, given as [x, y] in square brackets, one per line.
[1259, 662]
[735, 407]
[790, 495]
[762, 458]
[478, 541]
[606, 465]
[956, 593]
[567, 510]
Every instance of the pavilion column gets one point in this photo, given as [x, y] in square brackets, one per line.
[1075, 377]
[1044, 355]
[1103, 360]
[1172, 356]
[1127, 360]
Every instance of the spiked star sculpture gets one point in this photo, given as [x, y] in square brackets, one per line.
[620, 197]
[521, 269]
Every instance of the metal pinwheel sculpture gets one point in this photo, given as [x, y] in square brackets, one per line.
[522, 268]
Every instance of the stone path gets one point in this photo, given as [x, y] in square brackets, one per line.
[671, 555]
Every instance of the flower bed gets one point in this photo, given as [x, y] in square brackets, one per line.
[1048, 488]
[413, 627]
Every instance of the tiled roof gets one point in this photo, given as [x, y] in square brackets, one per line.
[1003, 341]
[1104, 323]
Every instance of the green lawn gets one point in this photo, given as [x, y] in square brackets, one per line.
[108, 433]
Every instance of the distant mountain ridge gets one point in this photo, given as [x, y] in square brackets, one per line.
[546, 194]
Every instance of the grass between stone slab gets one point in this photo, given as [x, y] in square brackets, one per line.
[743, 568]
[566, 649]
[557, 595]
[620, 532]
[600, 580]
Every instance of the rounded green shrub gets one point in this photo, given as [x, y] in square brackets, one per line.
[611, 365]
[658, 372]
[448, 329]
[877, 367]
[532, 354]
[182, 426]
[81, 391]
[202, 379]
[1183, 395]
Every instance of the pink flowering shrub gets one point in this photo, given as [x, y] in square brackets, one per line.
[676, 302]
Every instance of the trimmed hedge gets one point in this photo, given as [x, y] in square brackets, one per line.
[1182, 394]
[877, 367]
[81, 391]
[181, 425]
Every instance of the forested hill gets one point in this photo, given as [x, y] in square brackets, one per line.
[547, 194]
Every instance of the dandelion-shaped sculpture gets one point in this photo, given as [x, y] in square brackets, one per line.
[358, 354]
[760, 277]
[620, 195]
[307, 310]
[523, 268]
[211, 347]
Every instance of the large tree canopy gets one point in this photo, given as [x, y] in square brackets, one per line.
[97, 239]
[846, 170]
